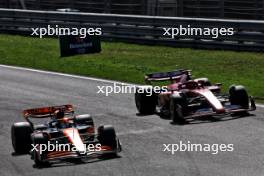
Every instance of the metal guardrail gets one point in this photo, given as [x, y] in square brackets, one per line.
[249, 35]
[231, 9]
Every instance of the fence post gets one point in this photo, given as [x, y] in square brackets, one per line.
[180, 8]
[144, 9]
[6, 4]
[107, 6]
[263, 10]
[38, 4]
[199, 8]
[262, 14]
[156, 7]
[151, 5]
[222, 9]
[71, 4]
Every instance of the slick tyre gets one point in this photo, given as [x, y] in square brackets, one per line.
[21, 137]
[107, 137]
[176, 114]
[39, 139]
[85, 119]
[145, 103]
[177, 104]
[239, 96]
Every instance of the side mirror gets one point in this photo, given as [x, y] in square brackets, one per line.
[147, 80]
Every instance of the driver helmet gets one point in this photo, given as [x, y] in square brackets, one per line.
[62, 122]
[59, 114]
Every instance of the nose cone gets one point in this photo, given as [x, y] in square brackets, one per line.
[74, 136]
[212, 99]
[220, 111]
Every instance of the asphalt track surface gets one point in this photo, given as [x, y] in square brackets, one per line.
[142, 136]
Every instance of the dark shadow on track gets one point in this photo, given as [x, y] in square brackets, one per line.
[141, 115]
[74, 162]
[213, 119]
[71, 161]
[14, 154]
[204, 119]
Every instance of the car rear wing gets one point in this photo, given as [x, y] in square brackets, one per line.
[163, 76]
[46, 111]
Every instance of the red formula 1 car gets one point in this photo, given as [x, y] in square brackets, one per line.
[186, 98]
[64, 136]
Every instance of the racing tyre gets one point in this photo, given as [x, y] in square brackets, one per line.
[38, 139]
[21, 137]
[85, 119]
[177, 109]
[238, 96]
[107, 137]
[145, 103]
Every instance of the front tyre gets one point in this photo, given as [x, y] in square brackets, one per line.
[107, 137]
[239, 96]
[145, 102]
[177, 104]
[40, 139]
[176, 114]
[21, 137]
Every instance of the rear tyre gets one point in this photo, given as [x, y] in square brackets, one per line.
[107, 137]
[85, 119]
[21, 137]
[145, 103]
[40, 139]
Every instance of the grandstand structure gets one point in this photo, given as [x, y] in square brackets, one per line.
[231, 9]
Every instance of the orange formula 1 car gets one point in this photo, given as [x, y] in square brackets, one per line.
[64, 136]
[186, 98]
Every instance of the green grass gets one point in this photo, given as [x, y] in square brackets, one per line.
[129, 62]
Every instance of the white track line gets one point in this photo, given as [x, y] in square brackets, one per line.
[64, 74]
[76, 76]
[260, 105]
